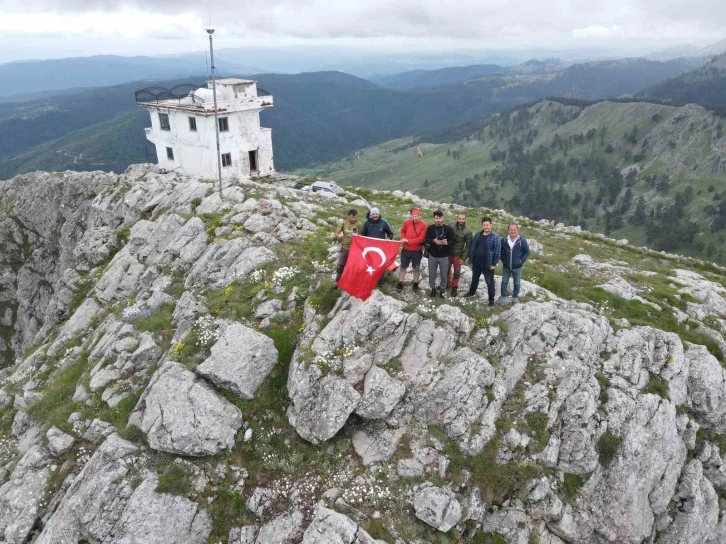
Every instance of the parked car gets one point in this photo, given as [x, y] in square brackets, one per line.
[327, 186]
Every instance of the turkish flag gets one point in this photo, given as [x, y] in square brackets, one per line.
[367, 261]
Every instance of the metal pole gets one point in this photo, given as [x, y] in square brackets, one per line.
[210, 30]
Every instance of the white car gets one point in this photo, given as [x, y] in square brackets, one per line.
[327, 187]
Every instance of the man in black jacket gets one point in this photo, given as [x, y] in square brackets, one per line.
[439, 238]
[377, 227]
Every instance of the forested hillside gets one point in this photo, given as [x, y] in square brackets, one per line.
[318, 117]
[647, 172]
[705, 85]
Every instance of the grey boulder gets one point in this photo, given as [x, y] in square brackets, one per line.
[184, 415]
[241, 360]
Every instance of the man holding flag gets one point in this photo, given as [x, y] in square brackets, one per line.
[368, 259]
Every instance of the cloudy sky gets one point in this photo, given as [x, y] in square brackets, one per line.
[57, 28]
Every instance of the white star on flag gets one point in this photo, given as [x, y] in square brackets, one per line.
[370, 270]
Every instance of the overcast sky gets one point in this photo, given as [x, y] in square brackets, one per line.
[57, 28]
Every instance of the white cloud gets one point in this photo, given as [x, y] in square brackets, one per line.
[485, 23]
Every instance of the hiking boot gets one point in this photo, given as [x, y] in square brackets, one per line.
[415, 286]
[491, 304]
[515, 300]
[399, 286]
[454, 292]
[469, 294]
[433, 292]
[441, 293]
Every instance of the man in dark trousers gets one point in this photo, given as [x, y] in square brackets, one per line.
[486, 248]
[377, 227]
[515, 251]
[459, 250]
[439, 238]
[344, 232]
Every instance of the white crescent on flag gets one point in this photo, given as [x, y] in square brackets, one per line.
[378, 251]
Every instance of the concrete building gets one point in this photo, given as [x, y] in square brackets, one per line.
[182, 129]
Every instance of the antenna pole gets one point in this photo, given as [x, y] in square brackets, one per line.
[210, 30]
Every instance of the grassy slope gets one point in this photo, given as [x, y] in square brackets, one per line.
[392, 165]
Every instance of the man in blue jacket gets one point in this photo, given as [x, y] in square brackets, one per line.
[484, 253]
[515, 251]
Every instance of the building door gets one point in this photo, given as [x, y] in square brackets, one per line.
[253, 162]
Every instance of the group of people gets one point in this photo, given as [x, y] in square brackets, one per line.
[446, 247]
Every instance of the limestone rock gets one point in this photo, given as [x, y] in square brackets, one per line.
[381, 394]
[376, 443]
[58, 441]
[697, 512]
[20, 495]
[438, 507]
[330, 527]
[102, 506]
[226, 261]
[182, 414]
[241, 360]
[320, 406]
[284, 529]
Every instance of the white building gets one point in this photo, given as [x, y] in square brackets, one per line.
[182, 129]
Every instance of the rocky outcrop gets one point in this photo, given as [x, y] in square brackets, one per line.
[102, 505]
[240, 361]
[437, 507]
[593, 430]
[184, 415]
[330, 527]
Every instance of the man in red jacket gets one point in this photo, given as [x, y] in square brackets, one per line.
[413, 233]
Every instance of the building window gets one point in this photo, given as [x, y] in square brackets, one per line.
[223, 124]
[226, 159]
[193, 124]
[164, 121]
[170, 153]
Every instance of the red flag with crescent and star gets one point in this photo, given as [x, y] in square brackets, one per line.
[367, 261]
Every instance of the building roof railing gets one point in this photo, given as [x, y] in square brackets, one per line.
[162, 94]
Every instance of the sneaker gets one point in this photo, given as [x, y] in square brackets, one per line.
[491, 303]
[441, 293]
[415, 286]
[433, 292]
[454, 292]
[399, 286]
[469, 294]
[515, 300]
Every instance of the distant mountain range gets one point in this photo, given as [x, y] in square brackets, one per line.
[29, 77]
[705, 85]
[551, 77]
[318, 117]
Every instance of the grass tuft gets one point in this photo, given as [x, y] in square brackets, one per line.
[607, 448]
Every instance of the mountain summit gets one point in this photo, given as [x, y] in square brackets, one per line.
[178, 368]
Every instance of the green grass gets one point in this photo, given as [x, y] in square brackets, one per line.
[657, 386]
[537, 423]
[57, 403]
[236, 301]
[499, 482]
[607, 448]
[324, 297]
[159, 323]
[488, 538]
[174, 480]
[571, 485]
